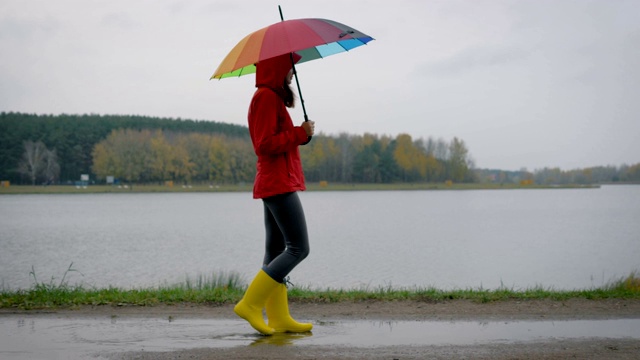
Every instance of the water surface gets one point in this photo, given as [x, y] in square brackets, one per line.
[554, 238]
[46, 337]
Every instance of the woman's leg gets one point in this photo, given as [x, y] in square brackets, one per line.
[286, 227]
[274, 242]
[287, 244]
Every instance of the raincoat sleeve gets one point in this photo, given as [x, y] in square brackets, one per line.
[272, 131]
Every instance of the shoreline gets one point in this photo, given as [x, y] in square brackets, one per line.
[311, 187]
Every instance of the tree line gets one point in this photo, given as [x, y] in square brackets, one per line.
[146, 156]
[59, 148]
[156, 156]
[145, 149]
[555, 176]
[370, 158]
[592, 175]
[73, 137]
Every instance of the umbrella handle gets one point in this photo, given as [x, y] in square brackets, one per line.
[304, 111]
[295, 74]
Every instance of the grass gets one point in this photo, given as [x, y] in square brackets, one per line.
[226, 288]
[625, 288]
[221, 288]
[92, 189]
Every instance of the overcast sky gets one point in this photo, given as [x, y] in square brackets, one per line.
[526, 84]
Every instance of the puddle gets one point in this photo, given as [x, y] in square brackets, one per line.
[46, 337]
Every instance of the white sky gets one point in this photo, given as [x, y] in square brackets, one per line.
[526, 84]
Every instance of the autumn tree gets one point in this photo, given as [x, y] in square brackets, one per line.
[162, 157]
[125, 154]
[241, 161]
[459, 164]
[181, 166]
[197, 146]
[411, 159]
[322, 158]
[219, 154]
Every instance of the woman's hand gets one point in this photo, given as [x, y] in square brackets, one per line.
[309, 127]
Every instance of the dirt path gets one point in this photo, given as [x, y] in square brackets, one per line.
[456, 310]
[451, 311]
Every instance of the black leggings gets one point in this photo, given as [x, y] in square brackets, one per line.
[287, 241]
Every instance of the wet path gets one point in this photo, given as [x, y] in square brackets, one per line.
[50, 337]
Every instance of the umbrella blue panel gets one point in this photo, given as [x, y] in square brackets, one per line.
[329, 49]
[350, 43]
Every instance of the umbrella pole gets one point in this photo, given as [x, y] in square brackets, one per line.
[295, 74]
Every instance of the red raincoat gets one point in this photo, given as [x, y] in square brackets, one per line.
[275, 139]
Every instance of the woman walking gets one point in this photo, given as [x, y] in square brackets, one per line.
[279, 176]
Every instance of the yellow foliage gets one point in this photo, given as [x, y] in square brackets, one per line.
[632, 283]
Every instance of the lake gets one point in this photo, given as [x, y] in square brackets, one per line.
[553, 238]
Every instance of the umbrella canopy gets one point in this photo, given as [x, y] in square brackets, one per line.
[310, 38]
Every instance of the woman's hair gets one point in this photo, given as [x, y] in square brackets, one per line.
[288, 96]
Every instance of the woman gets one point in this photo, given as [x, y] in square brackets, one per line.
[279, 175]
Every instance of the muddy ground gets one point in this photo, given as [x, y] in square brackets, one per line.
[575, 309]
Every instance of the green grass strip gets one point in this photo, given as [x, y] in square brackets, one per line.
[227, 288]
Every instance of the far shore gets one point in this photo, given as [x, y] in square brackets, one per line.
[213, 188]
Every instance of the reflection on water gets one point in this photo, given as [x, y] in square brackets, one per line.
[281, 339]
[562, 239]
[45, 337]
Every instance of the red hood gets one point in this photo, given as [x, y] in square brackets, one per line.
[271, 72]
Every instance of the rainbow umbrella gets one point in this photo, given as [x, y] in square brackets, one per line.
[310, 38]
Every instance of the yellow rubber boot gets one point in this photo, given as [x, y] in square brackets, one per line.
[278, 313]
[254, 300]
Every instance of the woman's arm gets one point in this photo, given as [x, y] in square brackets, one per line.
[264, 130]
